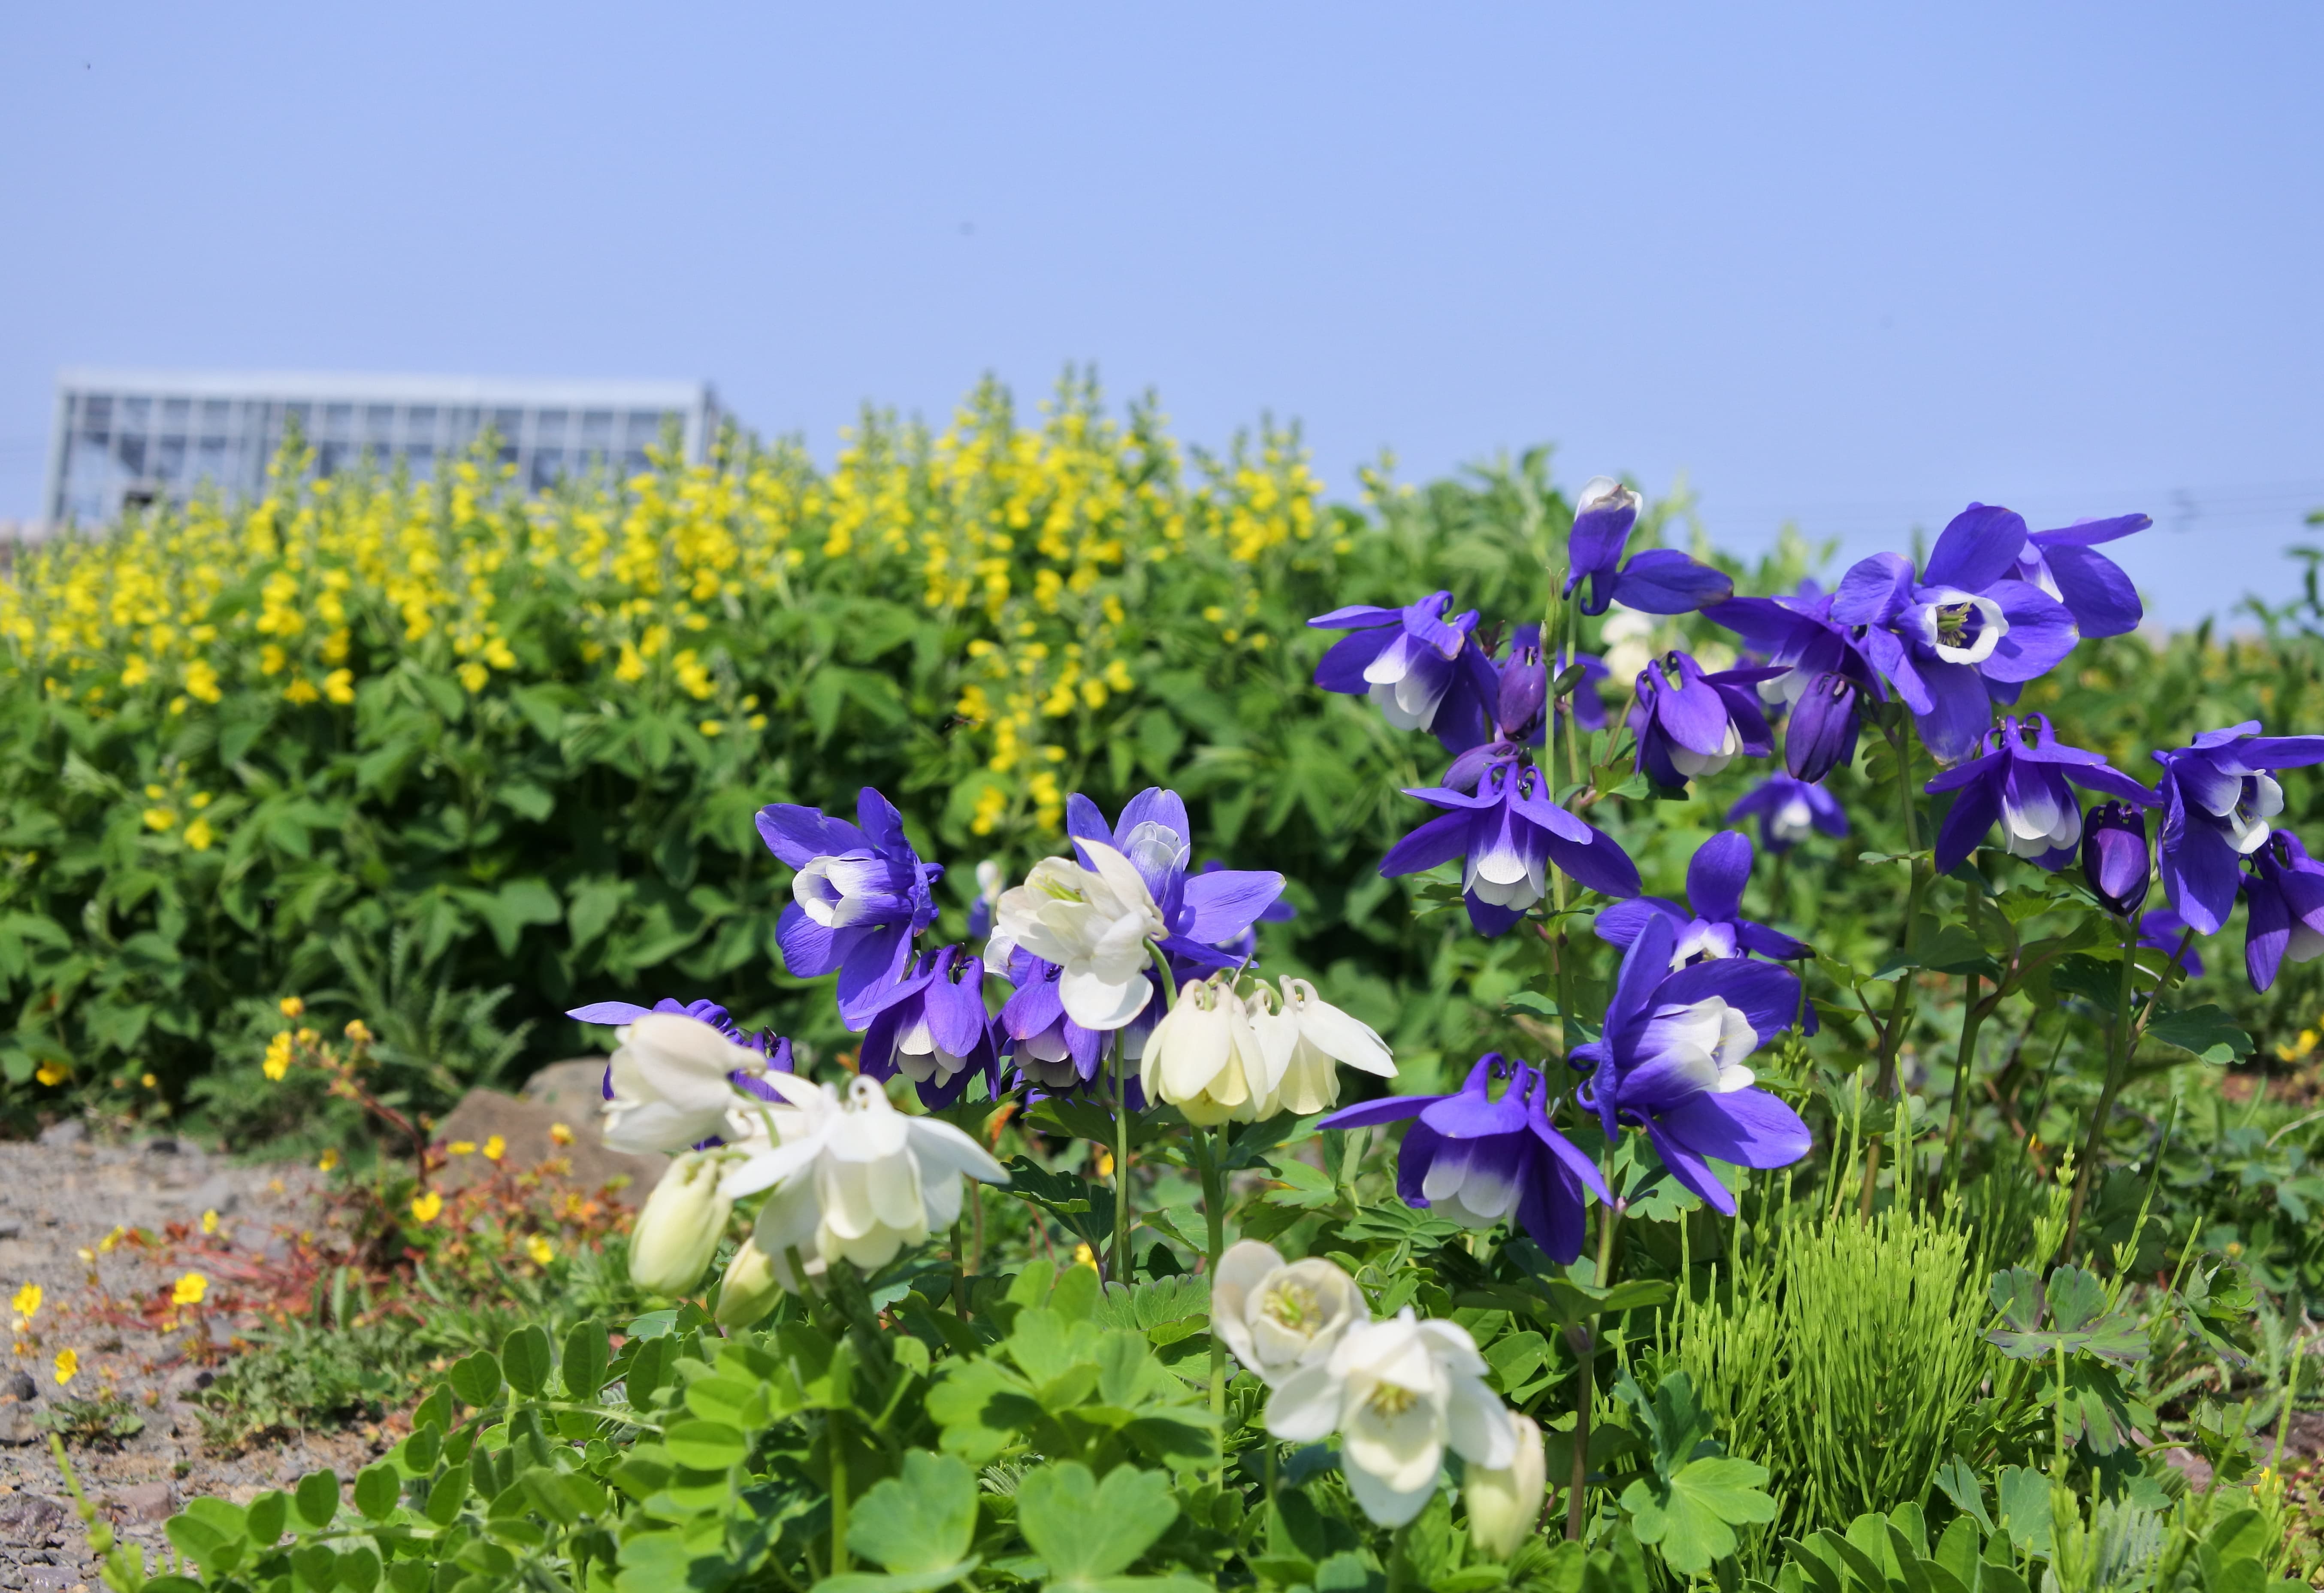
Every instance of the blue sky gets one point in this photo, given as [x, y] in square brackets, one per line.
[1851, 265]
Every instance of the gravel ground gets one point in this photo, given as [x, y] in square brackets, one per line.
[64, 1196]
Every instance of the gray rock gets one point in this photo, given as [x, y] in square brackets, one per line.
[70, 1131]
[11, 1229]
[17, 1427]
[144, 1501]
[53, 1579]
[214, 1194]
[20, 1385]
[31, 1518]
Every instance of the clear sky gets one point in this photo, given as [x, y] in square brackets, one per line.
[1852, 265]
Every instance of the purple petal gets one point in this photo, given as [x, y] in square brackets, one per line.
[1690, 1170]
[2280, 752]
[1034, 1007]
[1748, 1128]
[1643, 967]
[1765, 993]
[613, 1014]
[1691, 712]
[1715, 877]
[2199, 872]
[2041, 633]
[2095, 590]
[871, 961]
[882, 824]
[1440, 840]
[1767, 942]
[2267, 931]
[1343, 663]
[1663, 581]
[1621, 924]
[1873, 590]
[1358, 614]
[1086, 821]
[1422, 1146]
[1979, 547]
[1889, 655]
[1550, 1212]
[1601, 864]
[2083, 534]
[1227, 902]
[1764, 624]
[1390, 1110]
[799, 835]
[1472, 1113]
[2114, 782]
[809, 950]
[1595, 544]
[1489, 919]
[1958, 712]
[1154, 805]
[1974, 812]
[956, 1007]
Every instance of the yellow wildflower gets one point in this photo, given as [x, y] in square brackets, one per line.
[160, 817]
[150, 1082]
[559, 1134]
[461, 1147]
[26, 1304]
[136, 671]
[357, 1031]
[473, 675]
[330, 1160]
[496, 1147]
[541, 1251]
[278, 1057]
[301, 693]
[339, 687]
[424, 1207]
[712, 728]
[188, 1290]
[293, 1006]
[51, 1074]
[199, 835]
[67, 1365]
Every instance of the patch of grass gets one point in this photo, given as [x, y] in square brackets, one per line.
[300, 1377]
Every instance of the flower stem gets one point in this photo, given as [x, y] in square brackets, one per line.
[2117, 1070]
[1121, 1162]
[1892, 1031]
[1209, 1148]
[835, 1431]
[1584, 1340]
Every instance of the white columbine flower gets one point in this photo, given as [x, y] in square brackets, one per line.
[672, 1084]
[1277, 1317]
[1304, 1039]
[1094, 924]
[859, 1181]
[677, 1232]
[1400, 1392]
[1505, 1502]
[1205, 1059]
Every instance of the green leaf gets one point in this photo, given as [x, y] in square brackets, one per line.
[2204, 1030]
[377, 1489]
[1086, 1531]
[922, 1520]
[477, 1378]
[524, 1359]
[1693, 1515]
[705, 1446]
[585, 1355]
[318, 1498]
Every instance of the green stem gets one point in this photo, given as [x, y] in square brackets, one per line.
[1121, 1162]
[834, 1432]
[1214, 1217]
[1964, 1063]
[1892, 1031]
[1584, 1342]
[2117, 1070]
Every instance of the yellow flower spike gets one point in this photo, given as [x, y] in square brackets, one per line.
[188, 1290]
[357, 1031]
[199, 835]
[160, 819]
[541, 1251]
[496, 1147]
[67, 1366]
[425, 1207]
[291, 1006]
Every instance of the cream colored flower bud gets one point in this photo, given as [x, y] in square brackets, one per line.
[749, 1290]
[677, 1232]
[1505, 1502]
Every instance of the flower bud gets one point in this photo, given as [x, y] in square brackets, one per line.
[1525, 691]
[1821, 734]
[2113, 857]
[749, 1290]
[1505, 1504]
[677, 1232]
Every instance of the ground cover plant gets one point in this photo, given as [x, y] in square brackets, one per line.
[1772, 1101]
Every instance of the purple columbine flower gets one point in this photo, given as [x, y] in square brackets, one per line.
[1715, 878]
[1660, 580]
[1797, 633]
[1405, 659]
[2217, 796]
[931, 1027]
[1202, 911]
[2023, 785]
[1503, 823]
[1475, 1159]
[1787, 808]
[1049, 1052]
[2091, 585]
[769, 1044]
[1673, 1056]
[2284, 894]
[1963, 633]
[1689, 725]
[857, 900]
[2116, 863]
[1821, 734]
